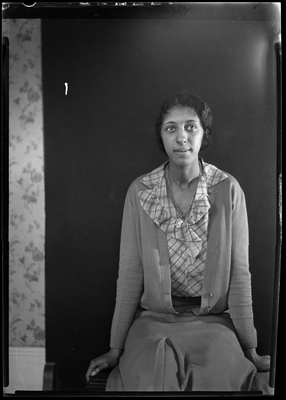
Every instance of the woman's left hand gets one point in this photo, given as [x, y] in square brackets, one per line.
[262, 363]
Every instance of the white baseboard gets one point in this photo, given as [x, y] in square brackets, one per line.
[26, 368]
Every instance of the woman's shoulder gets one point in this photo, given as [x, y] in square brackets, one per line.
[230, 188]
[148, 180]
[215, 175]
[224, 181]
[136, 186]
[232, 181]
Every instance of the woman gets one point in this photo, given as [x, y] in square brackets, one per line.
[183, 318]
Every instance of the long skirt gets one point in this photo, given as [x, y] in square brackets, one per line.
[184, 352]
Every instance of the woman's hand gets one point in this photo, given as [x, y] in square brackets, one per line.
[262, 363]
[108, 360]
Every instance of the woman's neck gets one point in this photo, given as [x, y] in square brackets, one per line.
[183, 176]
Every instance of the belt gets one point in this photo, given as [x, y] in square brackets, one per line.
[186, 301]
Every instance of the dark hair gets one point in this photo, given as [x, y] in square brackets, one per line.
[198, 105]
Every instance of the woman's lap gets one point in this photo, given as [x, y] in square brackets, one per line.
[171, 352]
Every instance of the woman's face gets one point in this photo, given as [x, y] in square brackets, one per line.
[182, 135]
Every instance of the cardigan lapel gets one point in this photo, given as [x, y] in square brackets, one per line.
[165, 271]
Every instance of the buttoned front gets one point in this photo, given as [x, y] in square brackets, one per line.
[187, 240]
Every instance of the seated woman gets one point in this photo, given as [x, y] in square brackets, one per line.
[183, 319]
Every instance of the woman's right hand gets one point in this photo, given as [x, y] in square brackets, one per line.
[108, 360]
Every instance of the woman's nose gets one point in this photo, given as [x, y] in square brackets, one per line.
[182, 136]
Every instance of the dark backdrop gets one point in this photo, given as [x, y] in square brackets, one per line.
[99, 136]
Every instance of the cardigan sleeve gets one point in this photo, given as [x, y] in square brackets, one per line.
[240, 294]
[130, 278]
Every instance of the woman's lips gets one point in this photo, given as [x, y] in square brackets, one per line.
[183, 151]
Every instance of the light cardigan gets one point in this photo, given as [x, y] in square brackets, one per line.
[144, 270]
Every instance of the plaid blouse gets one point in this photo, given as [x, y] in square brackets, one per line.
[187, 241]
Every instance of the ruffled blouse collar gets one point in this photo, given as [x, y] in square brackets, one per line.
[210, 174]
[158, 206]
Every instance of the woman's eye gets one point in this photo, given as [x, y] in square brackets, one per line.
[188, 128]
[191, 127]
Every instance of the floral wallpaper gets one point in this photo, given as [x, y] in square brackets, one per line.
[26, 184]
